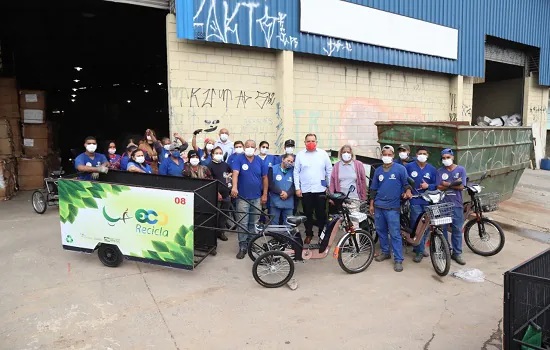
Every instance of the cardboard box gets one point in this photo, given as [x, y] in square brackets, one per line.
[8, 82]
[9, 110]
[8, 96]
[33, 116]
[10, 139]
[32, 99]
[31, 173]
[7, 178]
[35, 147]
[35, 131]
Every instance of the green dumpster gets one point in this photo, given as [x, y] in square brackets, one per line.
[503, 152]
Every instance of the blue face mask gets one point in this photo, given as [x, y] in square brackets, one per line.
[176, 154]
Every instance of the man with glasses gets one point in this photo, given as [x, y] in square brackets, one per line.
[312, 169]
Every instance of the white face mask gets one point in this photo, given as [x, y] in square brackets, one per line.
[422, 158]
[218, 157]
[239, 150]
[149, 138]
[447, 162]
[289, 150]
[210, 147]
[249, 152]
[140, 159]
[387, 160]
[112, 150]
[167, 147]
[264, 150]
[91, 148]
[346, 157]
[403, 155]
[194, 161]
[224, 137]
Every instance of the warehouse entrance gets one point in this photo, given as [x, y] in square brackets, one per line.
[102, 66]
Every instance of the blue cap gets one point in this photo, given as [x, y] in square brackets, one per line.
[447, 151]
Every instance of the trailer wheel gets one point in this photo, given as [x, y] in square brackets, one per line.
[110, 255]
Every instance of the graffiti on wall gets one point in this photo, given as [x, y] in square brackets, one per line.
[335, 46]
[226, 98]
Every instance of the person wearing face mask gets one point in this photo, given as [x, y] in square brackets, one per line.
[173, 165]
[238, 150]
[424, 176]
[127, 156]
[267, 159]
[281, 189]
[289, 149]
[250, 184]
[404, 157]
[205, 154]
[221, 171]
[193, 169]
[389, 184]
[90, 163]
[446, 175]
[114, 159]
[166, 146]
[225, 144]
[312, 172]
[349, 172]
[149, 152]
[137, 163]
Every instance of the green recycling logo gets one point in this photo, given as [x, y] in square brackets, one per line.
[69, 239]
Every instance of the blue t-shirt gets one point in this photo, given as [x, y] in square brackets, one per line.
[164, 155]
[269, 161]
[389, 186]
[250, 176]
[284, 181]
[84, 159]
[169, 167]
[232, 158]
[145, 167]
[449, 176]
[205, 160]
[124, 162]
[115, 158]
[419, 175]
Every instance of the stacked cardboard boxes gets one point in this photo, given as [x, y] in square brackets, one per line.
[10, 137]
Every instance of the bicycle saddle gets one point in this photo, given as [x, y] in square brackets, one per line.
[336, 196]
[296, 220]
[434, 192]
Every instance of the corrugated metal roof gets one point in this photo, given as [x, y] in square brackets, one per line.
[275, 24]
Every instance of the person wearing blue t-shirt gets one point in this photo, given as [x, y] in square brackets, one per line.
[281, 189]
[205, 154]
[445, 176]
[250, 184]
[173, 165]
[114, 159]
[424, 175]
[387, 187]
[127, 156]
[137, 163]
[404, 154]
[89, 163]
[238, 149]
[269, 160]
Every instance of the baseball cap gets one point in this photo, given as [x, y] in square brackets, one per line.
[447, 151]
[405, 147]
[290, 143]
[388, 147]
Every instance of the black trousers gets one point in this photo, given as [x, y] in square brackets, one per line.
[315, 202]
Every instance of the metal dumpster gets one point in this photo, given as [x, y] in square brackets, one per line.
[503, 152]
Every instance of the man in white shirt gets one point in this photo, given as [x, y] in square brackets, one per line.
[312, 169]
[224, 143]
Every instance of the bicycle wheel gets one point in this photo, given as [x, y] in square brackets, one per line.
[39, 203]
[262, 243]
[355, 251]
[486, 238]
[368, 225]
[440, 253]
[274, 264]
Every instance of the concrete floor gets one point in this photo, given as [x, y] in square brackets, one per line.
[55, 299]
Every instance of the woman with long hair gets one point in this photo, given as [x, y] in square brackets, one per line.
[147, 146]
[112, 157]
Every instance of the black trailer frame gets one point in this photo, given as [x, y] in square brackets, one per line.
[527, 301]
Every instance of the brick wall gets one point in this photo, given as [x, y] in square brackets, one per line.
[340, 101]
[209, 83]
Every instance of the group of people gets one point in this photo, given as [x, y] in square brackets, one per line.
[257, 182]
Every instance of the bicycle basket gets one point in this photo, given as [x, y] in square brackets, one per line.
[440, 214]
[488, 201]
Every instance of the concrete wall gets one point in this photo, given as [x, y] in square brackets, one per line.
[498, 98]
[535, 109]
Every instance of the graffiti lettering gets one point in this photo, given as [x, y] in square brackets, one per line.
[334, 45]
[203, 98]
[242, 98]
[280, 128]
[265, 97]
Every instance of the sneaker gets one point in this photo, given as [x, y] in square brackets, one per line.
[458, 259]
[241, 254]
[382, 257]
[398, 267]
[223, 237]
[418, 257]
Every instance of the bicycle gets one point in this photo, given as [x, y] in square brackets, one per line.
[435, 216]
[278, 245]
[479, 204]
[49, 195]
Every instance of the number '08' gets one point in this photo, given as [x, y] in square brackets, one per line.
[179, 200]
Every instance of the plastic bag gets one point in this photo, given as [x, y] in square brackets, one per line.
[469, 275]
